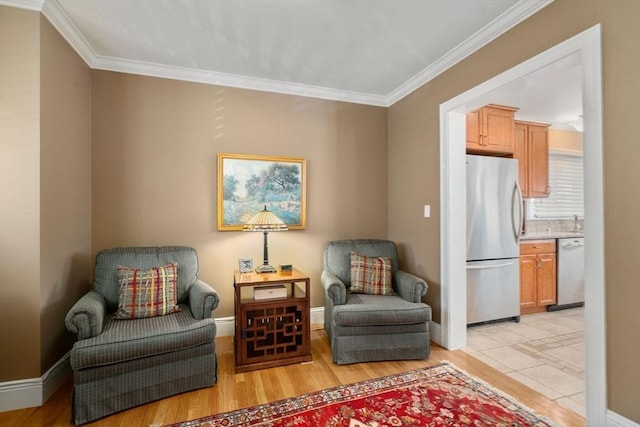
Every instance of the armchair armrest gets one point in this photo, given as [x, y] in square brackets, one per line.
[86, 317]
[410, 287]
[203, 299]
[334, 288]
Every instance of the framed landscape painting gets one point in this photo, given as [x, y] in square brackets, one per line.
[247, 183]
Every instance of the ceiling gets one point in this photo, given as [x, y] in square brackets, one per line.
[365, 51]
[552, 94]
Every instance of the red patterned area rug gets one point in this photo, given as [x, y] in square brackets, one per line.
[441, 395]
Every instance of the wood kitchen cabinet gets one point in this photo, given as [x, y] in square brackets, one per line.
[531, 148]
[490, 130]
[537, 275]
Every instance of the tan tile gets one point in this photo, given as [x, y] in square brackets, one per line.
[552, 326]
[483, 327]
[536, 317]
[527, 348]
[568, 355]
[577, 340]
[479, 342]
[573, 406]
[528, 331]
[555, 378]
[545, 351]
[512, 358]
[506, 337]
[571, 370]
[573, 322]
[579, 398]
[531, 383]
[579, 346]
[492, 362]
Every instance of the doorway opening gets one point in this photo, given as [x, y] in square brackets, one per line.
[453, 206]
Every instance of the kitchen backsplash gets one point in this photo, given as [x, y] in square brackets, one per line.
[552, 225]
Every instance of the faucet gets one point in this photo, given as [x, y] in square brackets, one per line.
[576, 224]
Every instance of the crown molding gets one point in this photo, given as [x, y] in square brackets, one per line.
[24, 4]
[552, 124]
[58, 18]
[232, 80]
[61, 22]
[509, 19]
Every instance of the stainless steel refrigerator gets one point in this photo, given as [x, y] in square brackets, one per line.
[494, 221]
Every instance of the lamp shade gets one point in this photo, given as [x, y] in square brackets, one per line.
[265, 221]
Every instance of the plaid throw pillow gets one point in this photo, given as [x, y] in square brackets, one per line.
[371, 275]
[147, 293]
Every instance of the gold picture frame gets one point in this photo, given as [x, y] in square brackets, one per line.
[248, 183]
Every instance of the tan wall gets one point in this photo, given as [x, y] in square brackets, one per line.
[65, 189]
[45, 197]
[19, 193]
[155, 143]
[414, 134]
[414, 181]
[565, 140]
[138, 123]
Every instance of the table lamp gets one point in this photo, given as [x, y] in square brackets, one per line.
[265, 221]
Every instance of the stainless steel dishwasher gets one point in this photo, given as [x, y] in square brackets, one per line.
[570, 273]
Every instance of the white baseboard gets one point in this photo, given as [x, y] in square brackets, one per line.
[317, 315]
[20, 394]
[55, 377]
[32, 392]
[615, 420]
[435, 332]
[225, 326]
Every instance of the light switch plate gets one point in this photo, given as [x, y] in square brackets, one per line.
[427, 211]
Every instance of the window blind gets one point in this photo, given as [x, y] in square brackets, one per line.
[567, 189]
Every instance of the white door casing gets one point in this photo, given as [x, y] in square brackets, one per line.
[453, 207]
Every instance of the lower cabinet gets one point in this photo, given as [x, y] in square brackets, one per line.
[537, 275]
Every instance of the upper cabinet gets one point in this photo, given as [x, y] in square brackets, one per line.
[490, 130]
[532, 151]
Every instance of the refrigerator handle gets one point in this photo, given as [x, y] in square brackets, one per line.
[489, 266]
[517, 226]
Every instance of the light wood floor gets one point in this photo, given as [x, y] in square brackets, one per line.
[234, 391]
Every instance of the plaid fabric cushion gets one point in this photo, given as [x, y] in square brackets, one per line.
[147, 293]
[371, 275]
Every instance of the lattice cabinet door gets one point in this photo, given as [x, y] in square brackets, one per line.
[270, 331]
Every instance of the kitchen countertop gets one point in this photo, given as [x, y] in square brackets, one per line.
[552, 235]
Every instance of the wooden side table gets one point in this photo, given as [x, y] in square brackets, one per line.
[273, 331]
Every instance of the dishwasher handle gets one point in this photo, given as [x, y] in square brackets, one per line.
[575, 244]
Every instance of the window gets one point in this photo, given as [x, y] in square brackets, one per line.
[567, 189]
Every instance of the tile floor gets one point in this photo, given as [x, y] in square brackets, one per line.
[545, 351]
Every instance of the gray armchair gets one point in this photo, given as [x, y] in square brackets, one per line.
[364, 328]
[118, 364]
